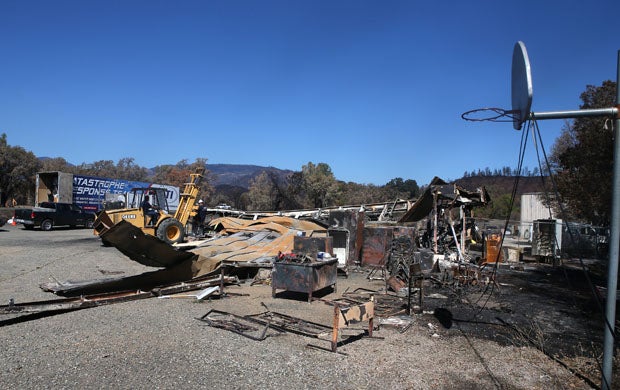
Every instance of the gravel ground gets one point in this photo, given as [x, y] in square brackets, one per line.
[158, 343]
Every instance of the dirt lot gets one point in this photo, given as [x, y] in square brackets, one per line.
[530, 330]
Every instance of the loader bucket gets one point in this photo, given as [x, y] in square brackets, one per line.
[102, 223]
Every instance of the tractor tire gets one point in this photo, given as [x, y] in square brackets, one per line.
[171, 231]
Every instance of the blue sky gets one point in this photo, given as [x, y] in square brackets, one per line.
[375, 89]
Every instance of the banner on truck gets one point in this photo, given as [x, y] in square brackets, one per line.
[89, 192]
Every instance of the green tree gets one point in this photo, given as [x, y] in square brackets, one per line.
[401, 189]
[499, 209]
[270, 191]
[353, 194]
[179, 174]
[102, 168]
[583, 158]
[127, 169]
[206, 188]
[262, 193]
[319, 185]
[18, 169]
[295, 188]
[56, 164]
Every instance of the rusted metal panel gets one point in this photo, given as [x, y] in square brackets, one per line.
[279, 224]
[304, 277]
[493, 249]
[405, 231]
[376, 247]
[396, 284]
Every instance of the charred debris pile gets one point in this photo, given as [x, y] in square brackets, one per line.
[401, 242]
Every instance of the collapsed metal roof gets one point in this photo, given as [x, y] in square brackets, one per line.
[238, 241]
[274, 223]
[253, 241]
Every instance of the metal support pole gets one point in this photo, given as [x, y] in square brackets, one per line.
[592, 112]
[435, 221]
[410, 291]
[463, 228]
[614, 251]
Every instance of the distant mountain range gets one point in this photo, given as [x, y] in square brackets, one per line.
[235, 175]
[240, 175]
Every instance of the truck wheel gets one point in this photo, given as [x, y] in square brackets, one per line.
[171, 231]
[89, 224]
[47, 225]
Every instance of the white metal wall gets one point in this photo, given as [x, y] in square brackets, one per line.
[532, 209]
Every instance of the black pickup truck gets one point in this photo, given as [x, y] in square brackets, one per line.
[50, 214]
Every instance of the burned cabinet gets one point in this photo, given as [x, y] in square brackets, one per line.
[304, 277]
[346, 228]
[341, 247]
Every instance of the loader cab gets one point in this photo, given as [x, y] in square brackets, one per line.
[157, 197]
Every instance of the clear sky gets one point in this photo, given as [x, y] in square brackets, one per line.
[375, 89]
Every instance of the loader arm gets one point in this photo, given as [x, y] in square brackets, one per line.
[188, 197]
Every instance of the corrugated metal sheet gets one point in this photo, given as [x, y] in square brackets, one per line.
[253, 241]
[279, 224]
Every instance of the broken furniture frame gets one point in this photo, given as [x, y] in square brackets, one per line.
[343, 317]
[286, 323]
[242, 325]
[246, 326]
[282, 323]
[385, 304]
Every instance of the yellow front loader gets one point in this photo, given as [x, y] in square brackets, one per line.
[169, 228]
